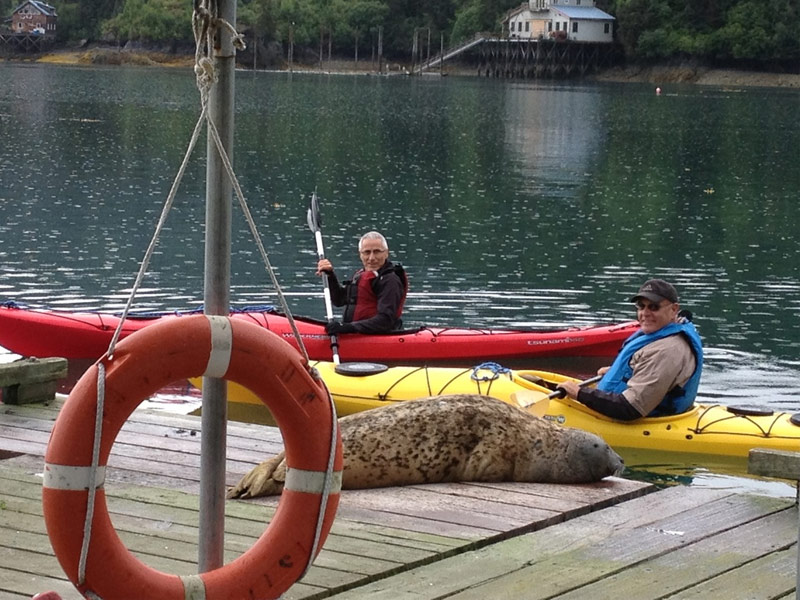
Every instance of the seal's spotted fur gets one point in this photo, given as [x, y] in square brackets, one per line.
[462, 437]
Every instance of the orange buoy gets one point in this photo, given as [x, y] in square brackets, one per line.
[80, 530]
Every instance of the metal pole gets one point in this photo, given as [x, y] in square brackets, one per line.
[441, 53]
[213, 445]
[380, 49]
[291, 46]
[428, 57]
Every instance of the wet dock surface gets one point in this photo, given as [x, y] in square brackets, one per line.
[616, 538]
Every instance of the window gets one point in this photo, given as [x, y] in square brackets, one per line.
[519, 26]
[527, 25]
[606, 28]
[558, 26]
[549, 26]
[575, 27]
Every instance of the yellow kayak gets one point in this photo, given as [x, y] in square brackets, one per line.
[704, 429]
[354, 393]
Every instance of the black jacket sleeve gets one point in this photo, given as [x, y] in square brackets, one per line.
[612, 405]
[338, 291]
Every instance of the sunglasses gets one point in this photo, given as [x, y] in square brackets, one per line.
[650, 306]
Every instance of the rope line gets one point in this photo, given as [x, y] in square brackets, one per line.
[92, 492]
[253, 229]
[204, 26]
[159, 227]
[494, 369]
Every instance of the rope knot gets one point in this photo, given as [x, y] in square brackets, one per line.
[495, 370]
[205, 73]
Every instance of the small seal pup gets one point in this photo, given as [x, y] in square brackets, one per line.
[463, 437]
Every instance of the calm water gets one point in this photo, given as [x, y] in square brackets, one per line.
[511, 204]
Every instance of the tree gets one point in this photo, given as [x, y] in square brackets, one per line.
[82, 19]
[354, 18]
[152, 21]
[480, 15]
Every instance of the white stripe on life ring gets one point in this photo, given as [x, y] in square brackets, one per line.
[311, 482]
[65, 477]
[193, 587]
[221, 346]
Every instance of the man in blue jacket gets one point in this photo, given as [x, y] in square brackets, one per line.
[657, 371]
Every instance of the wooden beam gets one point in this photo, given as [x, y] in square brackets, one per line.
[782, 464]
[774, 463]
[31, 379]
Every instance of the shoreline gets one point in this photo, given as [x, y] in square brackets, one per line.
[660, 75]
[698, 76]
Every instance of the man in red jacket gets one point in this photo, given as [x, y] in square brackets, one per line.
[374, 297]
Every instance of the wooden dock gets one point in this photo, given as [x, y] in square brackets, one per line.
[613, 539]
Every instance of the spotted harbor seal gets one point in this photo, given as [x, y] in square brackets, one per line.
[462, 437]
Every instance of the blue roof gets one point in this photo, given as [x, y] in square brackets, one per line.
[42, 7]
[588, 13]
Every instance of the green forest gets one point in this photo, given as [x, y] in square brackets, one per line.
[761, 34]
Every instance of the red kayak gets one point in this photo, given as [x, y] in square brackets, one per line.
[42, 333]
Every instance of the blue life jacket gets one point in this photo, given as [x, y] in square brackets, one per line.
[678, 399]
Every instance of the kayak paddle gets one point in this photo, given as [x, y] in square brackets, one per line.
[315, 225]
[529, 398]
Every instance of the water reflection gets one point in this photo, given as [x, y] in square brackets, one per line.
[665, 469]
[511, 205]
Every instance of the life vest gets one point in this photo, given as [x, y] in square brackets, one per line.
[362, 292]
[678, 399]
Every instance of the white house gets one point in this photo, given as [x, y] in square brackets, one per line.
[576, 20]
[528, 20]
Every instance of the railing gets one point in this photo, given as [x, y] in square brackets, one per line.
[452, 51]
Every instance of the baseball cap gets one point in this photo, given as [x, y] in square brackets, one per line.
[656, 290]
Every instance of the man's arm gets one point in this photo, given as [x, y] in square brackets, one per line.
[612, 405]
[338, 291]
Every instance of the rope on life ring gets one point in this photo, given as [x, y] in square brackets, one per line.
[143, 363]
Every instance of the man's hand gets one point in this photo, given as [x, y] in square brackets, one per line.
[337, 328]
[324, 266]
[570, 387]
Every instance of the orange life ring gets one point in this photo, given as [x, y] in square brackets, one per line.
[143, 363]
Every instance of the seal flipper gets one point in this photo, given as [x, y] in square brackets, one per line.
[266, 479]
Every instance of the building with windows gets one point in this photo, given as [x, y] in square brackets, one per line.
[34, 16]
[575, 20]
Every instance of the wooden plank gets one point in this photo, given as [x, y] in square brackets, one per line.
[31, 370]
[148, 435]
[24, 393]
[16, 584]
[557, 559]
[774, 463]
[573, 569]
[377, 536]
[31, 379]
[163, 524]
[571, 498]
[693, 564]
[244, 523]
[768, 578]
[242, 509]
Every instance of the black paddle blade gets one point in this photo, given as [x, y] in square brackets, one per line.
[314, 216]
